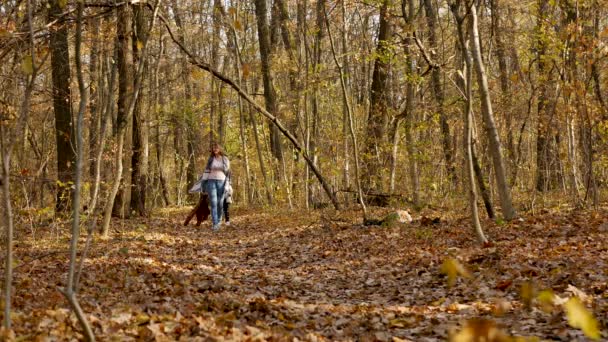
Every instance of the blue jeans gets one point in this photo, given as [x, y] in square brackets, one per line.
[215, 189]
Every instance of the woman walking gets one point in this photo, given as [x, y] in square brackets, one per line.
[218, 170]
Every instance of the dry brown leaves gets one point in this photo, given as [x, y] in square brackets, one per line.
[287, 275]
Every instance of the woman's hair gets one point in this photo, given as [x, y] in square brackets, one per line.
[214, 145]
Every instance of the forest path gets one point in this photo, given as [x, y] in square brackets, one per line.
[313, 275]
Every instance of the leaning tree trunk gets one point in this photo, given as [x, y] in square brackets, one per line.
[504, 192]
[468, 120]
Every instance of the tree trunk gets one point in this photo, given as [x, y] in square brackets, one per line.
[439, 95]
[105, 121]
[346, 100]
[501, 55]
[270, 96]
[377, 121]
[545, 144]
[69, 290]
[160, 103]
[468, 120]
[7, 142]
[502, 185]
[410, 107]
[485, 194]
[127, 115]
[139, 158]
[62, 104]
[96, 89]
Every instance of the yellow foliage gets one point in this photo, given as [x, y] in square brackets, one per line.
[453, 268]
[479, 329]
[27, 66]
[527, 293]
[545, 299]
[579, 317]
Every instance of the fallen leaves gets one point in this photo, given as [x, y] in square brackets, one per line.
[579, 317]
[276, 276]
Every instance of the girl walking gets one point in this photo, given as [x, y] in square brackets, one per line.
[218, 169]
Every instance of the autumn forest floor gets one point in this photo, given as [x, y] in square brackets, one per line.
[315, 276]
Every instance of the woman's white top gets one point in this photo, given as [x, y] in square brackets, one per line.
[217, 169]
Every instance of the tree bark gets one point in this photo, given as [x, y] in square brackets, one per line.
[439, 95]
[377, 121]
[96, 89]
[346, 100]
[270, 96]
[139, 158]
[410, 107]
[467, 81]
[62, 105]
[123, 123]
[545, 143]
[125, 94]
[69, 290]
[504, 192]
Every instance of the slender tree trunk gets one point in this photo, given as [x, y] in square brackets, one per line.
[105, 121]
[160, 102]
[96, 89]
[128, 114]
[7, 215]
[183, 133]
[125, 94]
[346, 101]
[410, 107]
[139, 158]
[468, 120]
[60, 68]
[242, 132]
[69, 291]
[270, 95]
[345, 105]
[501, 55]
[545, 147]
[7, 142]
[439, 95]
[502, 185]
[485, 193]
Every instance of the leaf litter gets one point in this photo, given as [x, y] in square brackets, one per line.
[322, 276]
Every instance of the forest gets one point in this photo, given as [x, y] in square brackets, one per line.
[414, 170]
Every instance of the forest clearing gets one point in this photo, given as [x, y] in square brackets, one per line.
[318, 276]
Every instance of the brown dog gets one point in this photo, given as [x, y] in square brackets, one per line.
[201, 210]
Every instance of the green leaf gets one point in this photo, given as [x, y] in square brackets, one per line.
[62, 3]
[579, 317]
